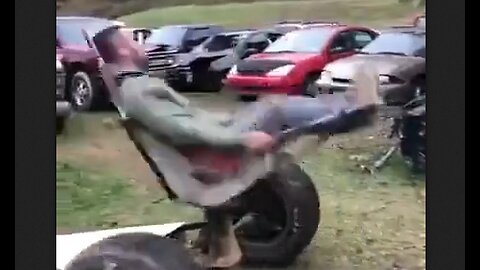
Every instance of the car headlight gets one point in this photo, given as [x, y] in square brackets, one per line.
[281, 71]
[58, 63]
[233, 70]
[386, 79]
[326, 75]
[383, 79]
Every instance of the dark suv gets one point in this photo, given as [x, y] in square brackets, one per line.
[83, 86]
[167, 47]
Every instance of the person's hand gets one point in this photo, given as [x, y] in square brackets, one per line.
[258, 142]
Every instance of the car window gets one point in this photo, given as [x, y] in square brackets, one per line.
[71, 34]
[70, 31]
[311, 40]
[199, 35]
[342, 43]
[396, 43]
[168, 35]
[361, 39]
[219, 43]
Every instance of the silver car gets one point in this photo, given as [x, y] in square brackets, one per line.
[398, 55]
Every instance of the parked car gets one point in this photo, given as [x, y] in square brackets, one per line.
[165, 45]
[255, 41]
[63, 106]
[399, 57]
[84, 85]
[193, 68]
[292, 63]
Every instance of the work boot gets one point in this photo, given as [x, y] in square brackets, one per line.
[203, 240]
[223, 248]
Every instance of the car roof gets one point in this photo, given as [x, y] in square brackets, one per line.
[405, 30]
[332, 27]
[236, 32]
[190, 25]
[80, 18]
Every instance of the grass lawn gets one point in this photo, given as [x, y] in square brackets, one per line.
[367, 222]
[370, 12]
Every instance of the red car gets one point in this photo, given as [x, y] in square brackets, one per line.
[291, 64]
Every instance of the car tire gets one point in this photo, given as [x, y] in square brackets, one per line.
[247, 98]
[139, 251]
[83, 94]
[419, 87]
[309, 87]
[301, 215]
[60, 125]
[413, 142]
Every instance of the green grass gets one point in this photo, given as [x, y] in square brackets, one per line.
[372, 12]
[87, 199]
[367, 221]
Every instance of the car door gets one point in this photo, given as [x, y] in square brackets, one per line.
[341, 46]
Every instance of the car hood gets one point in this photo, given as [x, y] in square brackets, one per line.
[283, 57]
[158, 48]
[384, 64]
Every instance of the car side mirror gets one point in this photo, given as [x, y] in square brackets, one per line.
[87, 38]
[58, 44]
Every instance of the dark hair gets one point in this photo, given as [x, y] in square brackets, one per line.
[110, 41]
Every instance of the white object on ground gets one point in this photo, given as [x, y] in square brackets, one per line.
[70, 245]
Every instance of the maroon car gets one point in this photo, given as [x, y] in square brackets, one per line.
[84, 85]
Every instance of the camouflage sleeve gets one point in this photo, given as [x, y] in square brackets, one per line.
[165, 113]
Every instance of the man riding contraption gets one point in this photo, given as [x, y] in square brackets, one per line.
[168, 116]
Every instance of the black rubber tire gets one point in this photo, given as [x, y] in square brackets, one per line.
[302, 208]
[93, 99]
[413, 146]
[247, 98]
[60, 125]
[135, 251]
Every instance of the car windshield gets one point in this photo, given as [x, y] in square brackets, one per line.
[168, 35]
[308, 41]
[249, 42]
[71, 30]
[396, 43]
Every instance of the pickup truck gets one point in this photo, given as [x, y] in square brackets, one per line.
[84, 86]
[168, 49]
[63, 106]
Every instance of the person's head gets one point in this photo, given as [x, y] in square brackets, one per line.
[117, 48]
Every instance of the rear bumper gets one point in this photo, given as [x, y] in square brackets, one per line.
[256, 85]
[64, 109]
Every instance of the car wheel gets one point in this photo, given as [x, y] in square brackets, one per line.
[419, 86]
[84, 96]
[310, 89]
[139, 251]
[60, 125]
[247, 98]
[274, 235]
